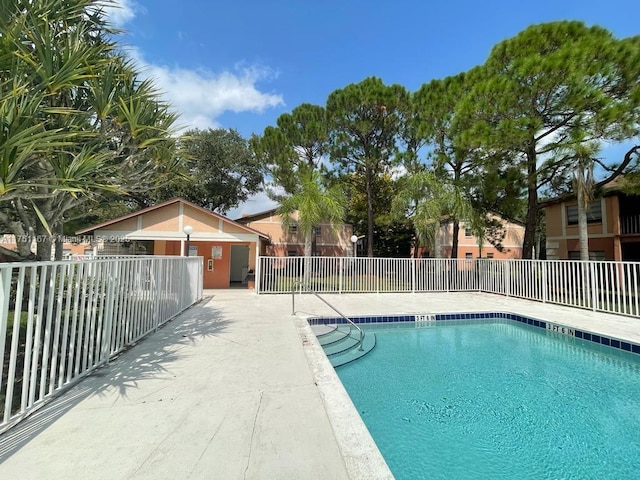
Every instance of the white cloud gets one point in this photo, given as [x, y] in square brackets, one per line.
[201, 96]
[120, 11]
[257, 203]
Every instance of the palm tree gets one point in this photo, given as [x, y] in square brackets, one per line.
[426, 199]
[315, 203]
[583, 155]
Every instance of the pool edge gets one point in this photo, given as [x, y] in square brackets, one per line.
[360, 453]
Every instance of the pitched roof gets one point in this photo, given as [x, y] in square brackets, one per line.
[611, 188]
[256, 216]
[164, 204]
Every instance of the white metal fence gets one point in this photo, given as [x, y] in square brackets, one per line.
[61, 320]
[601, 286]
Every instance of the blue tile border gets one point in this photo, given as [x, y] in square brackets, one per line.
[427, 318]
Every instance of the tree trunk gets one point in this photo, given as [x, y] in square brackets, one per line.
[583, 234]
[454, 240]
[44, 239]
[308, 243]
[44, 243]
[21, 228]
[531, 221]
[369, 213]
[308, 240]
[456, 221]
[59, 244]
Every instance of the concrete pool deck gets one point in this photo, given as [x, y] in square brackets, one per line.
[235, 387]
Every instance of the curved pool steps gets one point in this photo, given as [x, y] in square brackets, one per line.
[340, 342]
[323, 329]
[351, 354]
[338, 335]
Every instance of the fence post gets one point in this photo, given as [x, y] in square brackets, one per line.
[182, 267]
[413, 275]
[448, 272]
[507, 277]
[594, 286]
[257, 284]
[108, 314]
[5, 284]
[544, 282]
[155, 283]
[340, 272]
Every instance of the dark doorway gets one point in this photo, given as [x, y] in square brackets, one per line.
[631, 252]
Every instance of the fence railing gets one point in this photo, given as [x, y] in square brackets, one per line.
[61, 320]
[601, 286]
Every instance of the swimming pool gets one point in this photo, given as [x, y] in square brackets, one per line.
[497, 398]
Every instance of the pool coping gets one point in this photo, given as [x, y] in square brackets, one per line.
[361, 455]
[430, 318]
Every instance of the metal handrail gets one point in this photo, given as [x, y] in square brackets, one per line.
[351, 324]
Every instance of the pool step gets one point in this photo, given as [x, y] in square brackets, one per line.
[347, 356]
[345, 343]
[339, 334]
[324, 329]
[340, 343]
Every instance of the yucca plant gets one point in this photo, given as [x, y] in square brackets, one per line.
[77, 120]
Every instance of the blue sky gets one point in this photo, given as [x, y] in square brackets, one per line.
[240, 64]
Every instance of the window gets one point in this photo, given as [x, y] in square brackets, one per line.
[468, 232]
[597, 256]
[293, 229]
[317, 253]
[468, 255]
[291, 253]
[594, 215]
[317, 231]
[490, 255]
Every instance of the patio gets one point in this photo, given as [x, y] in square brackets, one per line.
[235, 387]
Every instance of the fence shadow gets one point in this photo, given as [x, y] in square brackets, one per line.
[147, 359]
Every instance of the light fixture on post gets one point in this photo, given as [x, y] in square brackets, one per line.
[355, 239]
[188, 230]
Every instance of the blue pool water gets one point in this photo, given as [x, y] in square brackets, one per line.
[498, 400]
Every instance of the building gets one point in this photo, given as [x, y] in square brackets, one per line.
[510, 234]
[230, 249]
[329, 241]
[613, 226]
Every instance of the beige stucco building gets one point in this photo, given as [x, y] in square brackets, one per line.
[229, 249]
[329, 241]
[512, 233]
[613, 226]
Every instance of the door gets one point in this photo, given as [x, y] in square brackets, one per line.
[239, 263]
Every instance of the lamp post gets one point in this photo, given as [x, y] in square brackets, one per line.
[188, 230]
[354, 239]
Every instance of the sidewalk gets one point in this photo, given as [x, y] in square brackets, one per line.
[222, 392]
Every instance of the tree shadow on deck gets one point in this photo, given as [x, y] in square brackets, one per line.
[147, 359]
